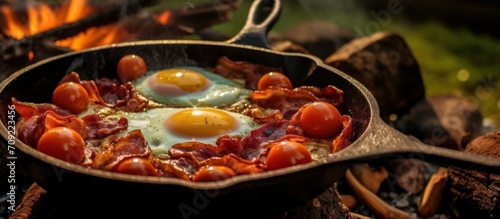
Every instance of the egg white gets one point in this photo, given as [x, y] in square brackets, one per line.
[152, 125]
[222, 91]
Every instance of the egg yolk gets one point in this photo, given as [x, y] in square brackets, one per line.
[201, 122]
[187, 80]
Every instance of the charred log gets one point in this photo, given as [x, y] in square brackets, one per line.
[105, 16]
[327, 205]
[476, 194]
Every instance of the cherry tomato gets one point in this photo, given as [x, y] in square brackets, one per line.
[321, 120]
[213, 173]
[136, 166]
[131, 67]
[62, 143]
[287, 153]
[275, 79]
[71, 96]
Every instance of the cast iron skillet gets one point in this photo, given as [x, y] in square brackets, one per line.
[80, 191]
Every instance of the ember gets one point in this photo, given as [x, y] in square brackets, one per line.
[41, 17]
[40, 30]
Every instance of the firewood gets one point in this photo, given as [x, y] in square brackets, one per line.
[326, 205]
[349, 201]
[378, 206]
[476, 194]
[370, 177]
[442, 120]
[383, 63]
[430, 202]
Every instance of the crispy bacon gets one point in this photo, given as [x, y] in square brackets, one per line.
[197, 150]
[267, 132]
[242, 70]
[290, 101]
[178, 168]
[286, 100]
[239, 165]
[100, 128]
[27, 110]
[115, 149]
[345, 137]
[260, 117]
[33, 128]
[110, 92]
[330, 94]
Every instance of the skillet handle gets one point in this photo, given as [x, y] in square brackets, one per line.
[388, 141]
[262, 16]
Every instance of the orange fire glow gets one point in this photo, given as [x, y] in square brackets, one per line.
[42, 17]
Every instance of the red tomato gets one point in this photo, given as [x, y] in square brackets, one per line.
[213, 173]
[287, 153]
[321, 120]
[71, 96]
[131, 67]
[275, 79]
[136, 166]
[62, 143]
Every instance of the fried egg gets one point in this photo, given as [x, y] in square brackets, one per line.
[188, 86]
[164, 127]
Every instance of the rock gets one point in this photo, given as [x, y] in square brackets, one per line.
[385, 65]
[442, 120]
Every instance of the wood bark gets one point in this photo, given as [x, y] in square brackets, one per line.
[476, 194]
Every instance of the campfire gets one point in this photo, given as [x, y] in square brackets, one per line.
[36, 31]
[386, 188]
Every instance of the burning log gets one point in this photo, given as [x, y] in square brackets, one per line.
[180, 21]
[103, 17]
[110, 23]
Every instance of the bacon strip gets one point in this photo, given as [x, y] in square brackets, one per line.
[178, 168]
[267, 132]
[330, 93]
[110, 92]
[237, 164]
[345, 137]
[116, 149]
[286, 100]
[197, 150]
[242, 70]
[99, 128]
[33, 128]
[27, 110]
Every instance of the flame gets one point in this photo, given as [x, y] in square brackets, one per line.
[42, 17]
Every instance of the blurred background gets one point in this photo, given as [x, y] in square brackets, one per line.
[457, 43]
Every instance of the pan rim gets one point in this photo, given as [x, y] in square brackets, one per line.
[233, 181]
